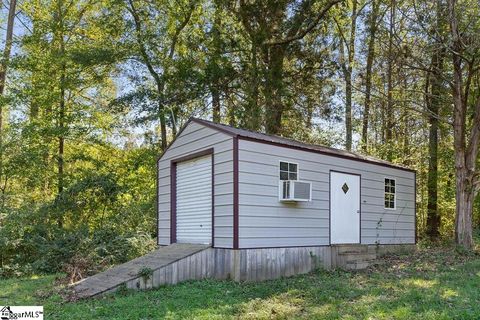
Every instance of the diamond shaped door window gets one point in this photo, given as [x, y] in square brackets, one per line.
[345, 188]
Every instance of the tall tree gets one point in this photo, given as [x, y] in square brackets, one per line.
[59, 39]
[372, 31]
[434, 104]
[346, 63]
[389, 114]
[72, 66]
[215, 62]
[157, 61]
[277, 29]
[465, 56]
[8, 47]
[3, 73]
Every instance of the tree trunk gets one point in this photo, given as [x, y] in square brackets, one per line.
[159, 79]
[163, 125]
[61, 137]
[274, 89]
[215, 81]
[368, 73]
[348, 110]
[33, 110]
[231, 115]
[3, 73]
[8, 46]
[348, 71]
[465, 156]
[433, 217]
[215, 105]
[173, 121]
[434, 102]
[406, 130]
[278, 19]
[464, 209]
[253, 112]
[61, 107]
[310, 108]
[389, 111]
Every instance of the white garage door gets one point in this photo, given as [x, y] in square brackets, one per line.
[194, 200]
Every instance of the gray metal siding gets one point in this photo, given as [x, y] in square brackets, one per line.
[266, 222]
[194, 138]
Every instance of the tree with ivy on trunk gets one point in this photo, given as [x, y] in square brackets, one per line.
[464, 52]
[275, 31]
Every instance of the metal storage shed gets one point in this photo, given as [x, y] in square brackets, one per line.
[236, 189]
[220, 185]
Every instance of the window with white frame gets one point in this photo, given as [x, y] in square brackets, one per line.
[288, 171]
[389, 193]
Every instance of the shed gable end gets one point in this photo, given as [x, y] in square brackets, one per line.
[194, 138]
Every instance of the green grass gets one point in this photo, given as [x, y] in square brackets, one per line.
[431, 284]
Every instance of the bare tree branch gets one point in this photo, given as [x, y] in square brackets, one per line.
[302, 33]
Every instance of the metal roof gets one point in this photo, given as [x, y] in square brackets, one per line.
[272, 139]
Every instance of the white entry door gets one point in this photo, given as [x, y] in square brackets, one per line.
[344, 208]
[194, 200]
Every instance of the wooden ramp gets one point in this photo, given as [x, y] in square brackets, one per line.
[180, 262]
[127, 274]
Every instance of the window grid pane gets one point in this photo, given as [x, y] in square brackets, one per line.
[288, 171]
[389, 193]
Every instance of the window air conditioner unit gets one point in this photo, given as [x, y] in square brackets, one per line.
[294, 190]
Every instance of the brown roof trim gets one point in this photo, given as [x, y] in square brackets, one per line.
[214, 126]
[175, 138]
[199, 121]
[213, 198]
[235, 194]
[157, 207]
[173, 202]
[415, 206]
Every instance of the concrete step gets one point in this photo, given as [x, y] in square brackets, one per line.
[353, 257]
[377, 262]
[351, 248]
[358, 265]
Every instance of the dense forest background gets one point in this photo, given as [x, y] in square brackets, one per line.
[92, 91]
